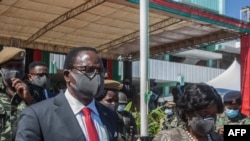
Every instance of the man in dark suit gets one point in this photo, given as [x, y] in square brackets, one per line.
[38, 76]
[60, 118]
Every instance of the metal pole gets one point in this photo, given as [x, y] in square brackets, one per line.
[144, 49]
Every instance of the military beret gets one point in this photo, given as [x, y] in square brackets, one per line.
[170, 104]
[232, 97]
[112, 84]
[11, 53]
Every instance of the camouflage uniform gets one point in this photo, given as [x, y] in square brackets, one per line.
[127, 129]
[222, 120]
[10, 110]
[180, 134]
[170, 122]
[231, 99]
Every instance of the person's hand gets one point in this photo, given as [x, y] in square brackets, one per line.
[8, 87]
[22, 90]
[221, 131]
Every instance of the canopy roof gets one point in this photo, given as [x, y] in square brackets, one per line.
[111, 26]
[229, 79]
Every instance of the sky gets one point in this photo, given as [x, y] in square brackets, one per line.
[233, 7]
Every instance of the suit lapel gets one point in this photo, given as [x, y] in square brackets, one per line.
[105, 118]
[67, 117]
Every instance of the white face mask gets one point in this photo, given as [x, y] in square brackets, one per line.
[7, 74]
[42, 81]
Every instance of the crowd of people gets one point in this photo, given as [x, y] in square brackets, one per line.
[15, 93]
[195, 109]
[92, 108]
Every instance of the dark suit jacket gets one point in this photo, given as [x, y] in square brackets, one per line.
[50, 94]
[38, 93]
[53, 120]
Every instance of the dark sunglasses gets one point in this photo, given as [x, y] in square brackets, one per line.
[40, 74]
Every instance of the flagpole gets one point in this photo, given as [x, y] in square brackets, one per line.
[144, 45]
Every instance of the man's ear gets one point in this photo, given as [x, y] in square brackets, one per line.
[66, 75]
[29, 77]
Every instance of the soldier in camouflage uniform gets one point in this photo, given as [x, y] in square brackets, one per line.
[109, 98]
[231, 115]
[116, 101]
[14, 93]
[129, 129]
[171, 119]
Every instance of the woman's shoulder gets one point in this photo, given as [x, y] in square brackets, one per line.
[173, 134]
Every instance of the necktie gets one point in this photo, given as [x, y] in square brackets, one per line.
[92, 133]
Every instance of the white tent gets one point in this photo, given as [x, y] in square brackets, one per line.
[229, 79]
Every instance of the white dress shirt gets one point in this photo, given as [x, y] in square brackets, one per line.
[46, 94]
[77, 106]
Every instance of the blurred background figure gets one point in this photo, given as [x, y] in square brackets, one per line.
[60, 87]
[129, 129]
[232, 112]
[128, 89]
[177, 92]
[171, 119]
[153, 101]
[110, 98]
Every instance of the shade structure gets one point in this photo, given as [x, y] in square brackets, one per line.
[112, 26]
[229, 79]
